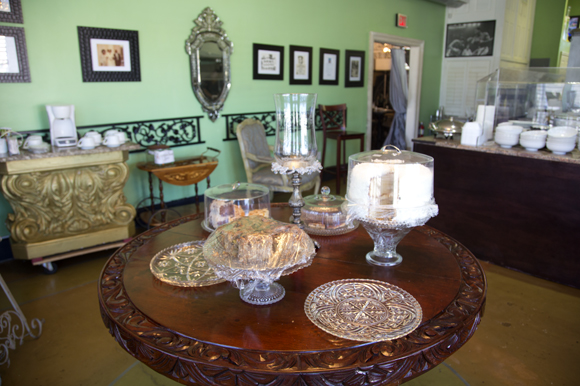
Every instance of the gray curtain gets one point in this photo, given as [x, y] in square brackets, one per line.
[398, 91]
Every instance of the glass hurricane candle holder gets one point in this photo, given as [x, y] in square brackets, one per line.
[295, 149]
[390, 192]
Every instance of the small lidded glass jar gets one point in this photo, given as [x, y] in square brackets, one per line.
[324, 215]
[225, 203]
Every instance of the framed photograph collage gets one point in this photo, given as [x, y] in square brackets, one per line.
[268, 64]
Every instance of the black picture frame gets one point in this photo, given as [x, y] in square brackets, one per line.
[109, 67]
[300, 65]
[268, 62]
[15, 51]
[329, 67]
[15, 13]
[354, 68]
[464, 40]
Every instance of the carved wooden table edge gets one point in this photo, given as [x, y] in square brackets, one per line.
[189, 361]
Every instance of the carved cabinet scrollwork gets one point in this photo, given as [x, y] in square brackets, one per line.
[65, 203]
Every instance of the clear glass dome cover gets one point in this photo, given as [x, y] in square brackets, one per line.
[326, 215]
[225, 203]
[391, 187]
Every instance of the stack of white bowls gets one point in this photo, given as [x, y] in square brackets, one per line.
[507, 135]
[562, 139]
[533, 140]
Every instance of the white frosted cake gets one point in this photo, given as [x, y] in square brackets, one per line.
[390, 191]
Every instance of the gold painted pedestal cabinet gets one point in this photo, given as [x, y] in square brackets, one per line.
[66, 200]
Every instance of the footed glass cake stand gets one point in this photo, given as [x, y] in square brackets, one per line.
[390, 192]
[253, 252]
[386, 240]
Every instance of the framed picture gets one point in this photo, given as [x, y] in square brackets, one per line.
[329, 60]
[11, 11]
[13, 56]
[109, 55]
[572, 25]
[300, 65]
[268, 62]
[470, 39]
[354, 68]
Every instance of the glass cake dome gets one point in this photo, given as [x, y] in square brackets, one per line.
[225, 203]
[325, 215]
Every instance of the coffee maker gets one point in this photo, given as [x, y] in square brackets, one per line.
[63, 131]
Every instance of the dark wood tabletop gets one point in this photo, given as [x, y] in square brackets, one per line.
[209, 336]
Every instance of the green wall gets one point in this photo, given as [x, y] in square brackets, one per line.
[548, 21]
[165, 87]
[575, 5]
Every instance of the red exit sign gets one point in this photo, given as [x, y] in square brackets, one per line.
[401, 20]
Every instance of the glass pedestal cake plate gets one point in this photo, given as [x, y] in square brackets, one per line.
[253, 252]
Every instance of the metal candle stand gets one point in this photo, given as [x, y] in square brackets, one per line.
[296, 201]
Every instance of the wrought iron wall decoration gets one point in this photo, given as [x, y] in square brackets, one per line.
[173, 132]
[267, 118]
[209, 50]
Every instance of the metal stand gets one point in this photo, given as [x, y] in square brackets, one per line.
[296, 201]
[18, 331]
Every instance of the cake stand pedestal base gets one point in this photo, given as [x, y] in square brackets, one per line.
[260, 293]
[386, 241]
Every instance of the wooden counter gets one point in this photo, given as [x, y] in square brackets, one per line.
[511, 207]
[66, 199]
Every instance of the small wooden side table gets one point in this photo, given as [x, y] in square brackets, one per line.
[182, 173]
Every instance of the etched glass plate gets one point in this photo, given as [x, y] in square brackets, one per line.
[183, 265]
[363, 310]
[331, 232]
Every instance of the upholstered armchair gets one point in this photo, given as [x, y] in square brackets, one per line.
[257, 157]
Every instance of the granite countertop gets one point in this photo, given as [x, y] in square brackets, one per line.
[66, 151]
[492, 147]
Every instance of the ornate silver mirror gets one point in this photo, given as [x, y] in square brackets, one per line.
[209, 50]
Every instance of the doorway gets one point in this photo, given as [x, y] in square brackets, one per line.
[416, 48]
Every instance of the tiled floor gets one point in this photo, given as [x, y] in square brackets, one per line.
[529, 334]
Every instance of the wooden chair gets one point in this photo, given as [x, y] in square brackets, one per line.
[333, 120]
[258, 160]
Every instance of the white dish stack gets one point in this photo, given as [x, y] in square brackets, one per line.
[562, 139]
[533, 140]
[507, 135]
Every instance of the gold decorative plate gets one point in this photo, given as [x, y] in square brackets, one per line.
[183, 265]
[363, 310]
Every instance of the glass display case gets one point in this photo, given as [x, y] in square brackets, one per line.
[535, 98]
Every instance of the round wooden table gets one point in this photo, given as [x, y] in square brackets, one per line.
[209, 336]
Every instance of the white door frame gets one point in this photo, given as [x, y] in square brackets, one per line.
[415, 73]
